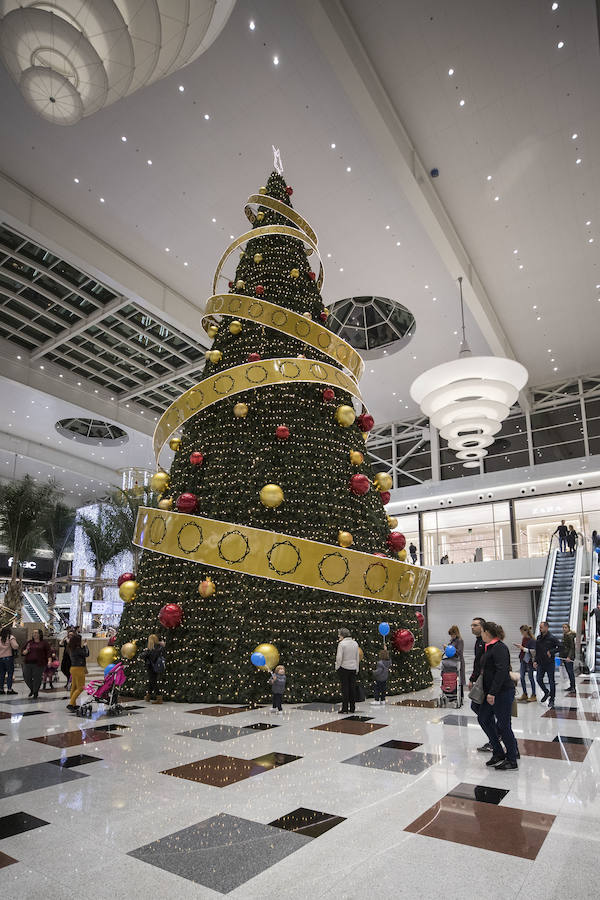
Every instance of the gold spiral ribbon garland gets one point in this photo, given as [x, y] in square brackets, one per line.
[287, 322]
[248, 376]
[285, 230]
[288, 212]
[279, 557]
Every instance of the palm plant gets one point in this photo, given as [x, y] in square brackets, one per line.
[23, 504]
[105, 538]
[58, 524]
[125, 506]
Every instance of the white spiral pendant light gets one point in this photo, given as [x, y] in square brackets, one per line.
[468, 398]
[70, 58]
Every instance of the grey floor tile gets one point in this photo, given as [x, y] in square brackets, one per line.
[31, 778]
[322, 707]
[408, 762]
[222, 852]
[216, 733]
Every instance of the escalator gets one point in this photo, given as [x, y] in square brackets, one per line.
[30, 613]
[561, 589]
[35, 607]
[593, 631]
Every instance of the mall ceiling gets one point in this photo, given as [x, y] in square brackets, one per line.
[364, 101]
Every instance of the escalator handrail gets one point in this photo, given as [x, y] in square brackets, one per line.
[547, 582]
[592, 621]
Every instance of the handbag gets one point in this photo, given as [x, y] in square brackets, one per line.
[360, 692]
[476, 693]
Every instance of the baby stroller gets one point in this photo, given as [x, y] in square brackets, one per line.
[106, 691]
[451, 686]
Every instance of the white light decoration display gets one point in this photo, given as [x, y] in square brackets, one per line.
[73, 57]
[468, 398]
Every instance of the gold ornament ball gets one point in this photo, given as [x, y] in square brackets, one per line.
[214, 356]
[307, 315]
[383, 481]
[258, 257]
[345, 416]
[165, 503]
[106, 656]
[270, 653]
[434, 656]
[361, 655]
[365, 435]
[402, 555]
[235, 327]
[206, 588]
[129, 650]
[356, 458]
[127, 591]
[240, 410]
[271, 495]
[345, 539]
[240, 285]
[159, 482]
[294, 273]
[392, 522]
[262, 190]
[175, 444]
[260, 216]
[212, 331]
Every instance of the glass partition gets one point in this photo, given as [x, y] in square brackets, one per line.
[538, 517]
[467, 534]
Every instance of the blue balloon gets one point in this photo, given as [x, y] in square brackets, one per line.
[597, 549]
[596, 578]
[384, 628]
[450, 651]
[109, 668]
[257, 659]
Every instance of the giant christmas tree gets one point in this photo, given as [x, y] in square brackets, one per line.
[271, 525]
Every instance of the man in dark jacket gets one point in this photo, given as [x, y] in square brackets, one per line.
[567, 654]
[546, 646]
[479, 650]
[562, 532]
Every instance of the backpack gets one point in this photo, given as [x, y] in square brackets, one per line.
[158, 662]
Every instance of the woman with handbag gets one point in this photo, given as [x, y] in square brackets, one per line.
[526, 654]
[498, 696]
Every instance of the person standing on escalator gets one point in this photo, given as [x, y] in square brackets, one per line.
[571, 539]
[562, 532]
[546, 646]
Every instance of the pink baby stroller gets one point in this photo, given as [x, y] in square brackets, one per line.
[106, 691]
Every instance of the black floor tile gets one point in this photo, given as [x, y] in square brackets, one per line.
[359, 718]
[401, 745]
[15, 715]
[308, 822]
[113, 727]
[260, 726]
[69, 762]
[17, 823]
[563, 739]
[484, 793]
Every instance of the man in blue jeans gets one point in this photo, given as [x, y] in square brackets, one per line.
[562, 532]
[546, 646]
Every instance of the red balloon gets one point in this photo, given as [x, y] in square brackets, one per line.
[187, 502]
[403, 640]
[420, 619]
[328, 394]
[170, 615]
[196, 458]
[365, 422]
[385, 497]
[259, 289]
[359, 485]
[396, 541]
[253, 357]
[126, 576]
[282, 432]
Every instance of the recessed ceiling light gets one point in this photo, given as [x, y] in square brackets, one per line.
[329, 256]
[554, 7]
[101, 199]
[555, 369]
[496, 198]
[60, 376]
[434, 299]
[213, 219]
[149, 161]
[455, 332]
[578, 161]
[426, 287]
[275, 60]
[251, 25]
[489, 178]
[521, 265]
[41, 367]
[549, 351]
[461, 102]
[560, 45]
[206, 116]
[597, 288]
[538, 318]
[332, 146]
[76, 180]
[186, 264]
[341, 270]
[167, 249]
[450, 71]
[515, 251]
[590, 240]
[535, 306]
[181, 88]
[123, 138]
[18, 357]
[589, 222]
[387, 227]
[574, 136]
[348, 168]
[552, 359]
[230, 237]
[78, 384]
[398, 244]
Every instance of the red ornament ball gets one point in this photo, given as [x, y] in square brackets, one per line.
[170, 615]
[312, 275]
[396, 541]
[187, 503]
[126, 576]
[231, 284]
[365, 422]
[420, 619]
[259, 289]
[359, 485]
[403, 640]
[385, 497]
[289, 191]
[282, 432]
[253, 357]
[323, 316]
[328, 394]
[196, 458]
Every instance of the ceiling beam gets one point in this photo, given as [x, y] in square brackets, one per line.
[83, 324]
[335, 34]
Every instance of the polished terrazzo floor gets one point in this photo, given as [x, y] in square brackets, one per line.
[392, 801]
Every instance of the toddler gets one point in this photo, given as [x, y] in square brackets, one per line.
[380, 678]
[50, 671]
[277, 682]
